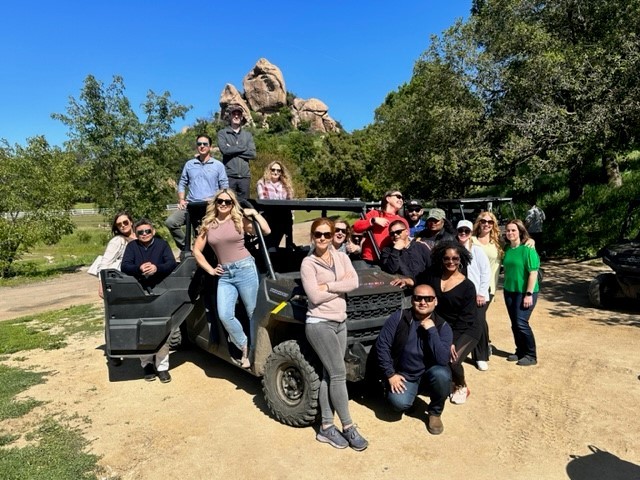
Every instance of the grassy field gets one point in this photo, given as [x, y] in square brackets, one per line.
[55, 449]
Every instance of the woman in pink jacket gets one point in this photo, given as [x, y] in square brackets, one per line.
[326, 276]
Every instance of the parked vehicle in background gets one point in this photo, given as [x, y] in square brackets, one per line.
[139, 321]
[458, 209]
[622, 286]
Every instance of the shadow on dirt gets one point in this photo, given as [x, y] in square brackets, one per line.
[600, 465]
[567, 289]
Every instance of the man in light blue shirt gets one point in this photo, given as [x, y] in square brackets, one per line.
[201, 178]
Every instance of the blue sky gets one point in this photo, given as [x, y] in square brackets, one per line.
[347, 54]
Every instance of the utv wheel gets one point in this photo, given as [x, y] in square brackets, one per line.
[602, 290]
[291, 385]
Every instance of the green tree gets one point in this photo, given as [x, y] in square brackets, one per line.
[37, 189]
[130, 163]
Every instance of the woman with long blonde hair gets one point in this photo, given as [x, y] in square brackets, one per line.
[223, 227]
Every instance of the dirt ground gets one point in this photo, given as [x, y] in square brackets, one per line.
[575, 415]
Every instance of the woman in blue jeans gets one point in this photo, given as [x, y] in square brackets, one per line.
[223, 228]
[521, 265]
[326, 276]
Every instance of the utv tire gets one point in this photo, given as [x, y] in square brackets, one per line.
[602, 290]
[175, 339]
[291, 385]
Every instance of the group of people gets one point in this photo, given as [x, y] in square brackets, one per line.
[452, 273]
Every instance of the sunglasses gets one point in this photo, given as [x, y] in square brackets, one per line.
[485, 222]
[123, 223]
[202, 144]
[393, 233]
[426, 298]
[276, 170]
[413, 210]
[464, 231]
[341, 230]
[397, 195]
[356, 238]
[222, 201]
[146, 231]
[451, 259]
[319, 235]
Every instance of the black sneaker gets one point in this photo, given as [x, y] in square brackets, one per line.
[149, 372]
[164, 376]
[332, 436]
[527, 361]
[356, 441]
[512, 358]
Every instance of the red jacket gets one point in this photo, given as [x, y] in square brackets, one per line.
[380, 234]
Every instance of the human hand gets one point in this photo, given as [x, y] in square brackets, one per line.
[216, 271]
[250, 212]
[383, 222]
[402, 282]
[400, 243]
[480, 300]
[427, 323]
[527, 302]
[397, 383]
[148, 269]
[182, 204]
[454, 354]
[323, 287]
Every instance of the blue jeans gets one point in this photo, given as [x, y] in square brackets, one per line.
[239, 277]
[522, 333]
[329, 341]
[436, 382]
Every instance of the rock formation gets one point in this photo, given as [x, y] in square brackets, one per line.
[265, 93]
[264, 88]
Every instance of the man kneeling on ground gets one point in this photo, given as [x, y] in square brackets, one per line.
[413, 350]
[150, 260]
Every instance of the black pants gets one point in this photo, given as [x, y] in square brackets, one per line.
[240, 187]
[481, 352]
[464, 345]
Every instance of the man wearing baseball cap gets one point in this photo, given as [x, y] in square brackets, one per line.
[438, 228]
[413, 212]
[237, 147]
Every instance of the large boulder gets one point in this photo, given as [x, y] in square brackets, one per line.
[231, 96]
[315, 112]
[264, 88]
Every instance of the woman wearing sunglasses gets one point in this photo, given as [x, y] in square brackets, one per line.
[376, 224]
[223, 227]
[457, 305]
[275, 184]
[327, 275]
[479, 272]
[122, 229]
[342, 238]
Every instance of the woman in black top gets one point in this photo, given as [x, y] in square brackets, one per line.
[457, 305]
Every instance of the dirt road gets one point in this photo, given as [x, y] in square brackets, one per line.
[519, 423]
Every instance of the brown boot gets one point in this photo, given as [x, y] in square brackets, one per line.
[434, 425]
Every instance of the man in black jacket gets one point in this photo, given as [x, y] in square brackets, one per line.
[237, 147]
[150, 260]
[414, 348]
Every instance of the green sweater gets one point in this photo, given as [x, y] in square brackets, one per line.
[517, 263]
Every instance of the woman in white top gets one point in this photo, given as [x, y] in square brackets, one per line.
[122, 229]
[479, 272]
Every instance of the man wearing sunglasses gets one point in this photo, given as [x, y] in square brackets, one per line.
[201, 178]
[237, 147]
[413, 350]
[438, 229]
[413, 212]
[407, 258]
[150, 260]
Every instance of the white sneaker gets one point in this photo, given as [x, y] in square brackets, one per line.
[482, 365]
[459, 396]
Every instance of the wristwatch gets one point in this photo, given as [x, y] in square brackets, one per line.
[528, 294]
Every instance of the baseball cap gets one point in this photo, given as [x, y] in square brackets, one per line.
[436, 213]
[465, 223]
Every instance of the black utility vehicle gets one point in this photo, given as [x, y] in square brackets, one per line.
[457, 209]
[139, 321]
[623, 286]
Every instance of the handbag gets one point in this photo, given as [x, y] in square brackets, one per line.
[94, 269]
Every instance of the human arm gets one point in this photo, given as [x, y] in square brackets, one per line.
[262, 191]
[309, 278]
[182, 186]
[385, 341]
[115, 249]
[167, 261]
[240, 145]
[223, 180]
[129, 264]
[247, 223]
[198, 247]
[390, 260]
[484, 269]
[349, 279]
[439, 341]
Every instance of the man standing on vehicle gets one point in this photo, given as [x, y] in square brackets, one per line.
[414, 349]
[201, 178]
[413, 212]
[237, 147]
[150, 260]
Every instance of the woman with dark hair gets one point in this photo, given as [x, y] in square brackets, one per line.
[376, 224]
[327, 275]
[342, 238]
[457, 305]
[521, 265]
[122, 229]
[223, 227]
